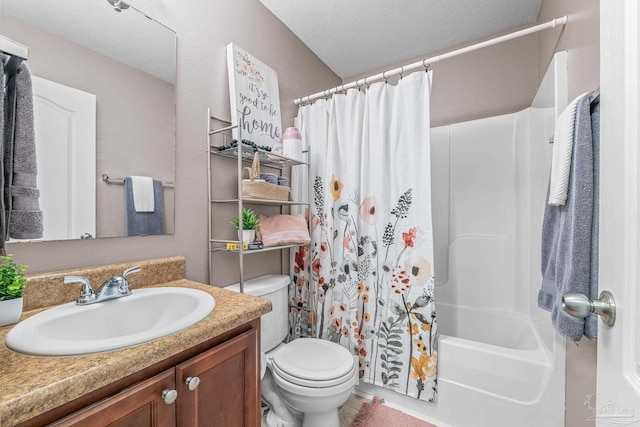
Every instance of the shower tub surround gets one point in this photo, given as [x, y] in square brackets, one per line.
[31, 386]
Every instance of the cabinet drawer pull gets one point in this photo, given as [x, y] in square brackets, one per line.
[192, 383]
[169, 396]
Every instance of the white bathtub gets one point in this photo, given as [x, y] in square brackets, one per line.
[494, 370]
[494, 353]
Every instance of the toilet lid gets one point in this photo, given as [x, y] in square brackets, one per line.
[314, 359]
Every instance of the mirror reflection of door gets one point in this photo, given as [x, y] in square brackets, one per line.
[65, 126]
[128, 61]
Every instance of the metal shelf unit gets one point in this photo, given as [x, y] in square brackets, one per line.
[253, 251]
[266, 157]
[243, 154]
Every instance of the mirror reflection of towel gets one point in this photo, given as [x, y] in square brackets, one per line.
[144, 223]
[142, 193]
[23, 215]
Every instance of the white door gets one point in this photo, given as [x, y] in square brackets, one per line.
[65, 127]
[617, 401]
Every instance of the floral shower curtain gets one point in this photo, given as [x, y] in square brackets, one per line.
[372, 280]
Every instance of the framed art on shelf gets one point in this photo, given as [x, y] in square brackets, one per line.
[255, 100]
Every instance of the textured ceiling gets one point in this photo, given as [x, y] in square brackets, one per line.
[128, 37]
[355, 36]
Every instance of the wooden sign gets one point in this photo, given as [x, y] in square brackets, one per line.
[255, 100]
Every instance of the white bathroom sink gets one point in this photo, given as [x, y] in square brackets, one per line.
[147, 314]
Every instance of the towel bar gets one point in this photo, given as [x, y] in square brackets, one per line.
[120, 181]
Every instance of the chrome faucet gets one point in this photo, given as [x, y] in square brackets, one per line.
[114, 287]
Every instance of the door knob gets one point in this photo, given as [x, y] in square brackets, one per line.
[578, 305]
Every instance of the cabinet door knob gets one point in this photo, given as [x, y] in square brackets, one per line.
[169, 396]
[192, 382]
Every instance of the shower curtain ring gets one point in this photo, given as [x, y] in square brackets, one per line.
[426, 66]
[384, 76]
[342, 90]
[401, 72]
[327, 94]
[365, 83]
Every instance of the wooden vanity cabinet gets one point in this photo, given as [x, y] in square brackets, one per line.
[228, 393]
[138, 405]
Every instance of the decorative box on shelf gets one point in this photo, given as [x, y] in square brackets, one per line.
[256, 189]
[253, 189]
[235, 246]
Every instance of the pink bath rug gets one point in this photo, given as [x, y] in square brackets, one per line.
[375, 414]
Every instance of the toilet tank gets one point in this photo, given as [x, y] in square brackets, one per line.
[274, 326]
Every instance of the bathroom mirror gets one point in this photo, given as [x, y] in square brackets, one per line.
[104, 105]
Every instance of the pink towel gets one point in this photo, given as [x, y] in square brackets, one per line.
[280, 230]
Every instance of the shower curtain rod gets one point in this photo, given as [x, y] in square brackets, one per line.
[428, 61]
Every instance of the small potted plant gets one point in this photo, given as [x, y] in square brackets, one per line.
[12, 282]
[249, 225]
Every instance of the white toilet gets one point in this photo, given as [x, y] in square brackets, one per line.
[312, 377]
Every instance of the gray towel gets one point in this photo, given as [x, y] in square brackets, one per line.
[144, 223]
[21, 195]
[591, 322]
[567, 233]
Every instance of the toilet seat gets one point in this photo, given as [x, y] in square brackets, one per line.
[347, 385]
[311, 362]
[313, 383]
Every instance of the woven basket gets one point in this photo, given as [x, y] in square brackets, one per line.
[252, 189]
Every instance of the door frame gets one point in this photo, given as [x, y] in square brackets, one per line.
[618, 374]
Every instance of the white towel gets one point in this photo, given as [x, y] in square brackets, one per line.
[143, 193]
[562, 151]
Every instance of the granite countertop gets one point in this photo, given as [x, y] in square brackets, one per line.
[32, 385]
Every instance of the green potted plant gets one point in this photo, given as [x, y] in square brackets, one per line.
[249, 225]
[12, 282]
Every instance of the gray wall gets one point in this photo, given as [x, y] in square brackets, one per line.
[504, 78]
[134, 123]
[204, 28]
[489, 82]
